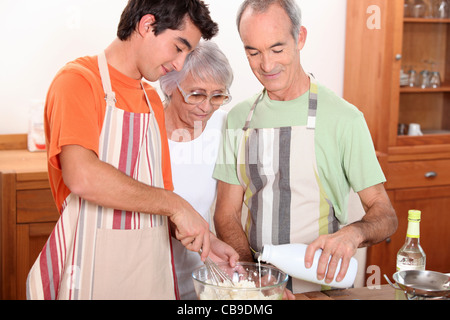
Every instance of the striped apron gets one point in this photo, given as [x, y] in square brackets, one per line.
[101, 253]
[285, 199]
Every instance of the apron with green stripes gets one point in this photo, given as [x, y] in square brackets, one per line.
[285, 199]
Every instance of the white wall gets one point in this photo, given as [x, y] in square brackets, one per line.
[40, 36]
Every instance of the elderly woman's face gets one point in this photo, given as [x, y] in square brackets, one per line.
[192, 114]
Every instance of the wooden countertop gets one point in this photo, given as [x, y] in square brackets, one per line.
[385, 292]
[27, 165]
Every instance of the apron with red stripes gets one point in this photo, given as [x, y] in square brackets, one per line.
[101, 253]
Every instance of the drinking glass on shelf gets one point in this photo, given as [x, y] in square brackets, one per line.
[412, 80]
[435, 80]
[418, 9]
[430, 8]
[442, 9]
[404, 78]
[407, 9]
[425, 79]
[402, 129]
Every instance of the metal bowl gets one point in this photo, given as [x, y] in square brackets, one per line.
[272, 285]
[420, 283]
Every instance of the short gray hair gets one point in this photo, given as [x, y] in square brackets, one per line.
[259, 6]
[206, 63]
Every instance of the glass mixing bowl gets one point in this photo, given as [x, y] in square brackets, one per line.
[252, 281]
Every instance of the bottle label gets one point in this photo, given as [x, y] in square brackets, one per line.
[413, 229]
[410, 267]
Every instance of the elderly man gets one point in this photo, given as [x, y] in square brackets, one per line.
[292, 153]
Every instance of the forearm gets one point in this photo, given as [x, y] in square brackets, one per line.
[101, 183]
[380, 220]
[378, 223]
[229, 231]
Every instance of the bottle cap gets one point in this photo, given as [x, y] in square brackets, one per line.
[414, 214]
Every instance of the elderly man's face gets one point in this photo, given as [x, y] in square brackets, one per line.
[271, 49]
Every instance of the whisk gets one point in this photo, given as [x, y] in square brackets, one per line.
[218, 276]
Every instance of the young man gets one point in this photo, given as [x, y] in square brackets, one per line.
[292, 153]
[109, 164]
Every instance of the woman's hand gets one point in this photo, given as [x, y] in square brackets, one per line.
[222, 252]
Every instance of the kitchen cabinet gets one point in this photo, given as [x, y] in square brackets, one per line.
[380, 43]
[27, 217]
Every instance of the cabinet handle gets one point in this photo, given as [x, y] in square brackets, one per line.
[431, 174]
[388, 240]
[398, 57]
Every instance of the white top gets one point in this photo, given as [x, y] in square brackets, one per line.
[192, 169]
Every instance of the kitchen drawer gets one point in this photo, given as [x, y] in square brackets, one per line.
[36, 206]
[411, 174]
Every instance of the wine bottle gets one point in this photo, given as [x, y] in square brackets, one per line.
[411, 256]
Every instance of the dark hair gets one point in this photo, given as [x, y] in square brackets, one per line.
[169, 14]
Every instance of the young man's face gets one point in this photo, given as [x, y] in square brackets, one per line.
[166, 52]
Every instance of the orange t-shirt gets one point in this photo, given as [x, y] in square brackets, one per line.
[75, 109]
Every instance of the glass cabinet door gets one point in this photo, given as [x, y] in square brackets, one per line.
[424, 108]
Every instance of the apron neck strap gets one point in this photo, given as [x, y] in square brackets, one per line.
[146, 98]
[110, 96]
[312, 107]
[252, 110]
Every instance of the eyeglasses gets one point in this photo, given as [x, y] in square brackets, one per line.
[195, 97]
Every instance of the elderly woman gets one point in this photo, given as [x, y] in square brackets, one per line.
[194, 123]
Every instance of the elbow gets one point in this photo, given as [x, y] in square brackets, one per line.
[80, 171]
[78, 181]
[393, 221]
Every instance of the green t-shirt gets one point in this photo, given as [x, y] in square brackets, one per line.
[344, 148]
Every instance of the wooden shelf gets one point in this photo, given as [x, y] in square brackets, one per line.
[427, 139]
[426, 20]
[443, 88]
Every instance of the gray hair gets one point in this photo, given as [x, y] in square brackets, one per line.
[259, 6]
[205, 63]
